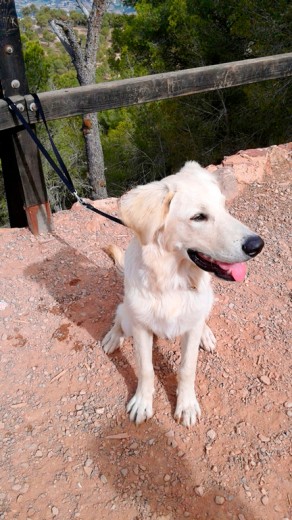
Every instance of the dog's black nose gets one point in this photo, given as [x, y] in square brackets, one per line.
[253, 245]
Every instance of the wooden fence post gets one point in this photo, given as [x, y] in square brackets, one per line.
[24, 182]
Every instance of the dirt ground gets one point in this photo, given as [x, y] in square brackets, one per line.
[68, 450]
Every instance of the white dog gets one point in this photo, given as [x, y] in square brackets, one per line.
[182, 231]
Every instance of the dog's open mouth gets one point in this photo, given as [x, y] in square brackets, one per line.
[230, 272]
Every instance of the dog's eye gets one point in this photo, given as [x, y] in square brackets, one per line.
[199, 217]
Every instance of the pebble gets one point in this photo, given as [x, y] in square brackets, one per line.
[241, 516]
[167, 478]
[219, 500]
[170, 433]
[99, 411]
[211, 434]
[16, 487]
[39, 453]
[263, 438]
[103, 479]
[199, 490]
[25, 488]
[288, 404]
[88, 470]
[55, 511]
[265, 500]
[3, 305]
[265, 379]
[124, 472]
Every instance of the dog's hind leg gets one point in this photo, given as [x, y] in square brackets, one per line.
[208, 340]
[115, 337]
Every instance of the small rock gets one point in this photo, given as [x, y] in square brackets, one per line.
[211, 434]
[99, 411]
[241, 516]
[55, 511]
[167, 478]
[265, 500]
[124, 472]
[39, 453]
[88, 462]
[16, 487]
[265, 379]
[199, 490]
[219, 500]
[170, 433]
[134, 446]
[3, 305]
[103, 479]
[88, 470]
[288, 404]
[263, 438]
[25, 488]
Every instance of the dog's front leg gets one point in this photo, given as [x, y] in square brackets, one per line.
[187, 407]
[140, 406]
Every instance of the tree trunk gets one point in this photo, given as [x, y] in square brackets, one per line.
[94, 154]
[84, 61]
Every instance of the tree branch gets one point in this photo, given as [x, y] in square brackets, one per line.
[60, 34]
[83, 8]
[69, 40]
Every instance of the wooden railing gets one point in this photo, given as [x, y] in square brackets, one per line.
[25, 187]
[69, 102]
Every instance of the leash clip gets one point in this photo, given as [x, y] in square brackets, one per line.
[79, 199]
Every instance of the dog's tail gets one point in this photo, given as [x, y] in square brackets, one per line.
[117, 255]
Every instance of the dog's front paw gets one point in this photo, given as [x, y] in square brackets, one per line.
[208, 340]
[187, 409]
[140, 407]
[111, 342]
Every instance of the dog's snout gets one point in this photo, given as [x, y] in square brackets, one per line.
[253, 245]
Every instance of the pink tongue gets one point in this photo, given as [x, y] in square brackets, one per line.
[238, 271]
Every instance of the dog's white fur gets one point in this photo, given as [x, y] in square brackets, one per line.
[165, 293]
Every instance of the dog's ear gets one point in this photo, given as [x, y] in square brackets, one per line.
[227, 181]
[144, 209]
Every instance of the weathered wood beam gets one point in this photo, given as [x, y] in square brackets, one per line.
[69, 102]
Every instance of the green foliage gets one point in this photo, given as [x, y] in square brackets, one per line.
[147, 142]
[167, 35]
[37, 65]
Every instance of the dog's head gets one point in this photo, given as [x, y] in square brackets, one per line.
[185, 214]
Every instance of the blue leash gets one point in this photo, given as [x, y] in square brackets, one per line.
[60, 169]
